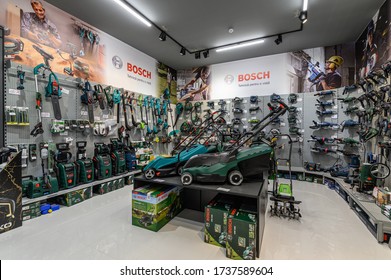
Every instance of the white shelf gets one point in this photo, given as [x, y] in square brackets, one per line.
[26, 201]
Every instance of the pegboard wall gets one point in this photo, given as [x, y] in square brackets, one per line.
[72, 110]
[306, 110]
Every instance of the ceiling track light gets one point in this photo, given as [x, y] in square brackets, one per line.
[278, 40]
[163, 36]
[303, 16]
[133, 11]
[240, 45]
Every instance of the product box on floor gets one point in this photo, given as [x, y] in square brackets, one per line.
[241, 234]
[383, 197]
[215, 218]
[110, 186]
[11, 195]
[121, 183]
[154, 206]
[31, 211]
[101, 188]
[74, 197]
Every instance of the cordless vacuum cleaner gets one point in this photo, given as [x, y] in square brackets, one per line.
[66, 170]
[37, 187]
[102, 161]
[84, 165]
[117, 156]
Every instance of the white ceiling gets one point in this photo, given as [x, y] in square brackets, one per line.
[204, 24]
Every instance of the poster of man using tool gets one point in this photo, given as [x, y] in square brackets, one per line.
[38, 28]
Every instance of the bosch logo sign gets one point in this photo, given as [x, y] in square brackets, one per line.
[139, 71]
[229, 79]
[254, 76]
[117, 62]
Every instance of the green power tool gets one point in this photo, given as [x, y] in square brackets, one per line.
[84, 165]
[66, 170]
[102, 161]
[36, 187]
[117, 156]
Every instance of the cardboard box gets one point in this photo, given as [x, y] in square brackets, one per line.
[382, 197]
[31, 214]
[101, 189]
[115, 185]
[110, 186]
[74, 197]
[155, 206]
[241, 235]
[121, 183]
[11, 195]
[215, 219]
[31, 206]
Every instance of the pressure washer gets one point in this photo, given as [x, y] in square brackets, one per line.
[102, 161]
[117, 156]
[84, 165]
[66, 170]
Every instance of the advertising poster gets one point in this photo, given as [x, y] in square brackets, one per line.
[372, 47]
[38, 32]
[308, 70]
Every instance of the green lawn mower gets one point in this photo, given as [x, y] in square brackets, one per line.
[164, 166]
[235, 164]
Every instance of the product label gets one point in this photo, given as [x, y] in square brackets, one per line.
[64, 90]
[45, 115]
[14, 91]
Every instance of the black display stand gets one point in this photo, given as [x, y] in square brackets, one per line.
[2, 88]
[11, 195]
[197, 196]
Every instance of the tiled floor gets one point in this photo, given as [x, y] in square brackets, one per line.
[100, 228]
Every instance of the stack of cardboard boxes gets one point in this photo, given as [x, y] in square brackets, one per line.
[153, 206]
[232, 223]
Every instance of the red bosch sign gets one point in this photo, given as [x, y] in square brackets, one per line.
[139, 71]
[254, 76]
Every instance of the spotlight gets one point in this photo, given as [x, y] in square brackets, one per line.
[197, 55]
[206, 54]
[303, 16]
[183, 51]
[278, 40]
[163, 36]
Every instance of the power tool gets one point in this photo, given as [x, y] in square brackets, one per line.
[40, 186]
[84, 165]
[66, 170]
[102, 161]
[117, 156]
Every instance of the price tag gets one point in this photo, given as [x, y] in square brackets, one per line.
[64, 90]
[335, 107]
[181, 118]
[302, 131]
[45, 115]
[245, 127]
[14, 91]
[12, 113]
[334, 116]
[244, 119]
[245, 111]
[284, 137]
[65, 133]
[83, 113]
[299, 109]
[97, 118]
[299, 99]
[105, 116]
[228, 101]
[253, 118]
[282, 124]
[228, 122]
